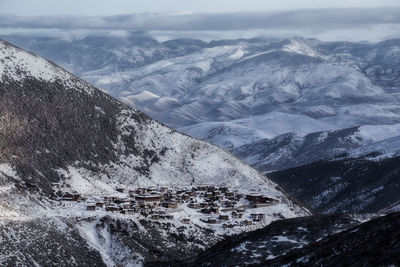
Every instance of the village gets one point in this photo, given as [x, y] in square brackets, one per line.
[210, 204]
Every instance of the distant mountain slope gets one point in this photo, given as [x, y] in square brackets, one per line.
[241, 92]
[291, 150]
[55, 127]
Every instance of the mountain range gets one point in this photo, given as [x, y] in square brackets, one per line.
[274, 103]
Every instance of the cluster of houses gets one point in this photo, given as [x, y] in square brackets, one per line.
[217, 204]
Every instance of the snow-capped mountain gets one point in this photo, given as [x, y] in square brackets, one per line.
[291, 150]
[242, 92]
[57, 131]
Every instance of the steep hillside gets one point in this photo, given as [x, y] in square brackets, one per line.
[59, 136]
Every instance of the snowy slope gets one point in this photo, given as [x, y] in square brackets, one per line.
[55, 127]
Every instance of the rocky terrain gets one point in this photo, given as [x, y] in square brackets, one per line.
[267, 243]
[330, 240]
[369, 244]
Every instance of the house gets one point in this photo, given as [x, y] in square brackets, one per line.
[91, 207]
[68, 197]
[206, 211]
[223, 217]
[246, 222]
[203, 205]
[228, 204]
[120, 189]
[258, 198]
[201, 188]
[108, 199]
[193, 205]
[150, 200]
[100, 204]
[228, 225]
[185, 197]
[255, 205]
[56, 186]
[163, 189]
[185, 220]
[126, 201]
[210, 220]
[229, 194]
[216, 193]
[112, 208]
[214, 209]
[135, 209]
[208, 195]
[71, 197]
[170, 205]
[155, 216]
[257, 217]
[210, 188]
[77, 197]
[130, 211]
[223, 189]
[141, 191]
[237, 215]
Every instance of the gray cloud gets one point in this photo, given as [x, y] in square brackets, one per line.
[311, 19]
[352, 24]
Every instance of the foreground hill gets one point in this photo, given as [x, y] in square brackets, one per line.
[366, 180]
[59, 131]
[330, 240]
[374, 243]
[267, 243]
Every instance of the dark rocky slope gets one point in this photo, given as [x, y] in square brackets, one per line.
[344, 185]
[44, 243]
[374, 243]
[276, 239]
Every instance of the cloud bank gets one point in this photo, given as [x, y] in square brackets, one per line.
[310, 22]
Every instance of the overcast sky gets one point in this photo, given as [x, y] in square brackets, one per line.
[353, 20]
[115, 7]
